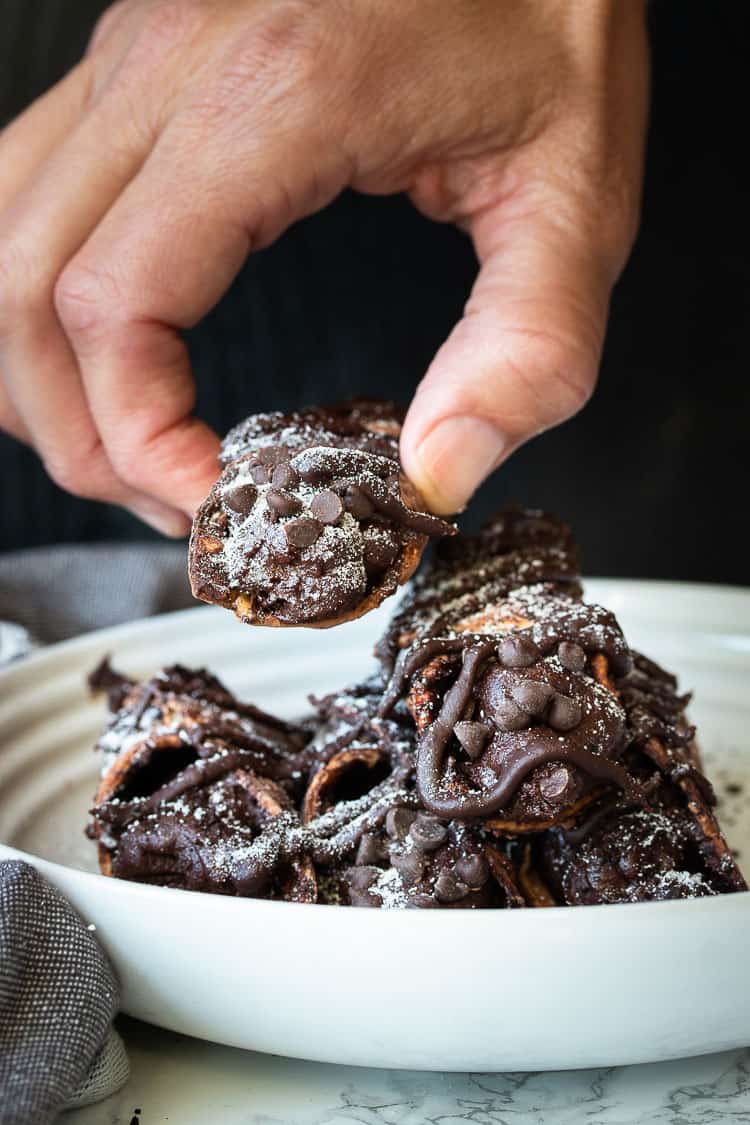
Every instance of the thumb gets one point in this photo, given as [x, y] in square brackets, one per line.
[523, 358]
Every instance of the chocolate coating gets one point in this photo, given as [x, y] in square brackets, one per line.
[511, 751]
[311, 521]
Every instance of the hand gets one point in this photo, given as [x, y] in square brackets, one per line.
[195, 131]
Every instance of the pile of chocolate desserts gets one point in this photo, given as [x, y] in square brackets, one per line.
[511, 750]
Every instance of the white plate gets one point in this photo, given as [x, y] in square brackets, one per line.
[443, 990]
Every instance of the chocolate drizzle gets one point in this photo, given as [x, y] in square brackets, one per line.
[511, 751]
[539, 708]
[526, 755]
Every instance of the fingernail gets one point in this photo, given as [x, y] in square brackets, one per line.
[170, 522]
[455, 457]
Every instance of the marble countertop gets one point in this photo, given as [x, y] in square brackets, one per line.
[186, 1082]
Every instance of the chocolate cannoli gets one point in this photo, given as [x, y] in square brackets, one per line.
[196, 711]
[408, 858]
[312, 522]
[162, 819]
[511, 751]
[508, 675]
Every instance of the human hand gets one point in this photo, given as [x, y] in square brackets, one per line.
[195, 131]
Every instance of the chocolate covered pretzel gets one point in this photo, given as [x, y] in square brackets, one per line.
[312, 522]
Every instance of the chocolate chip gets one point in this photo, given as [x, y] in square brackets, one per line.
[473, 870]
[518, 652]
[302, 532]
[554, 785]
[564, 714]
[421, 901]
[273, 455]
[284, 476]
[398, 821]
[326, 506]
[241, 498]
[363, 898]
[427, 833]
[362, 877]
[508, 716]
[380, 550]
[532, 696]
[449, 889]
[472, 737]
[371, 850]
[357, 503]
[571, 656]
[283, 503]
[259, 473]
[410, 866]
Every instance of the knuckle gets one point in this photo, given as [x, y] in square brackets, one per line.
[281, 53]
[106, 23]
[167, 25]
[86, 299]
[128, 463]
[23, 287]
[74, 474]
[557, 372]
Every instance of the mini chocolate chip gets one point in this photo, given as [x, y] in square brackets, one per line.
[398, 821]
[448, 888]
[380, 550]
[273, 455]
[557, 782]
[259, 473]
[421, 901]
[508, 716]
[472, 737]
[326, 506]
[282, 502]
[473, 870]
[362, 877]
[284, 476]
[302, 532]
[241, 498]
[517, 652]
[357, 503]
[565, 713]
[532, 696]
[371, 850]
[410, 866]
[571, 656]
[427, 833]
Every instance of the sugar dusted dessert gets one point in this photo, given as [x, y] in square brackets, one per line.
[512, 751]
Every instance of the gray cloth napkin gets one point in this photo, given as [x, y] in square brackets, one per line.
[58, 592]
[58, 994]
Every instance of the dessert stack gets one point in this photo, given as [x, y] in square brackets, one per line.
[511, 751]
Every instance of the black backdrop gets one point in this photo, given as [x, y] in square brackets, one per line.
[653, 474]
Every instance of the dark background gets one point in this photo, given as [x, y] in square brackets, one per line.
[654, 473]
